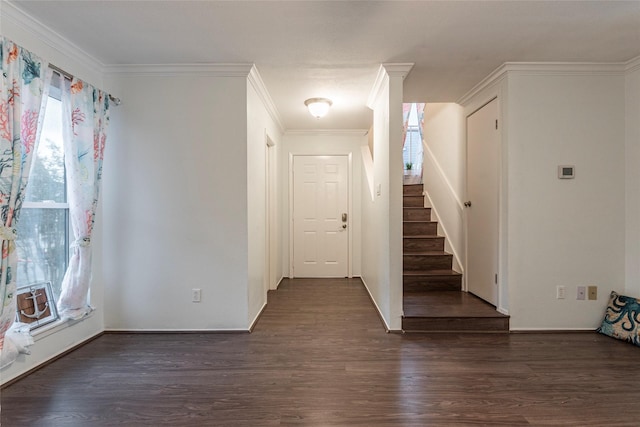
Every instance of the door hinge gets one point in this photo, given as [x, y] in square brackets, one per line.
[495, 279]
[496, 123]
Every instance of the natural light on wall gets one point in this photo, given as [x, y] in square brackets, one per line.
[413, 117]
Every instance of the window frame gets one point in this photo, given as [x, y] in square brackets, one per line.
[55, 92]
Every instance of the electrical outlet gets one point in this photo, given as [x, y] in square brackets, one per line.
[560, 292]
[196, 295]
[593, 292]
[582, 293]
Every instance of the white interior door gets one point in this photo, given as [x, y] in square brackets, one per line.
[320, 216]
[483, 165]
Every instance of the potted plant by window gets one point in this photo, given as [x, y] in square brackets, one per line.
[407, 168]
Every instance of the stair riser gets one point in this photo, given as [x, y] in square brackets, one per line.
[421, 245]
[431, 283]
[470, 324]
[420, 228]
[413, 201]
[415, 190]
[427, 262]
[416, 214]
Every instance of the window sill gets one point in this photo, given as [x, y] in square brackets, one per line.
[56, 326]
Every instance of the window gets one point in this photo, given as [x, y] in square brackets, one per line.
[43, 226]
[412, 151]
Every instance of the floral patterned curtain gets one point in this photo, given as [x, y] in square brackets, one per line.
[85, 112]
[406, 111]
[420, 111]
[23, 83]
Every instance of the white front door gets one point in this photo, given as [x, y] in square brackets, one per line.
[483, 165]
[320, 216]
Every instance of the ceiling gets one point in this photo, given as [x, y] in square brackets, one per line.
[333, 49]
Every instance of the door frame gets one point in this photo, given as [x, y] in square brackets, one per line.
[270, 228]
[349, 157]
[496, 92]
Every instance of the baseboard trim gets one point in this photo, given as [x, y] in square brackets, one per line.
[552, 331]
[50, 361]
[373, 301]
[176, 331]
[255, 320]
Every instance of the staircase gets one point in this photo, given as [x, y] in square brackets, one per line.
[433, 300]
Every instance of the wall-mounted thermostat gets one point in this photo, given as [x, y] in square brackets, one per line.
[566, 172]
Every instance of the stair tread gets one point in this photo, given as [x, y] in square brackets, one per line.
[448, 304]
[424, 236]
[431, 273]
[438, 253]
[417, 221]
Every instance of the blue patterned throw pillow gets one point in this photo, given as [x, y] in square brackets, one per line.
[622, 319]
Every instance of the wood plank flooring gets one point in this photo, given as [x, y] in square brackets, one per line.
[319, 356]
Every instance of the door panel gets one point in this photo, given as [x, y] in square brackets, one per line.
[320, 197]
[483, 165]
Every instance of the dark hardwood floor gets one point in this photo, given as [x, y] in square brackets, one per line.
[319, 356]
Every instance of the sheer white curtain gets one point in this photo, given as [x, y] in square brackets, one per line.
[85, 112]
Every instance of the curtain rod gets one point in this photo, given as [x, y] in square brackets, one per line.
[66, 75]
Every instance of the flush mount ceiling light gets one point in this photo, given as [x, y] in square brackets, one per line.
[318, 107]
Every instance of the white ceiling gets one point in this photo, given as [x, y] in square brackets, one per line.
[333, 49]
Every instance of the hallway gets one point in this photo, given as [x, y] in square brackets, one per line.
[319, 356]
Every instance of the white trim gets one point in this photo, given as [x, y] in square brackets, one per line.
[258, 84]
[632, 64]
[442, 175]
[377, 87]
[56, 326]
[375, 304]
[446, 235]
[548, 68]
[291, 275]
[350, 216]
[502, 310]
[390, 69]
[45, 205]
[138, 330]
[255, 319]
[51, 38]
[170, 70]
[395, 69]
[551, 329]
[326, 132]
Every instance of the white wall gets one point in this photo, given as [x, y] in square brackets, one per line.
[41, 41]
[323, 143]
[382, 217]
[564, 232]
[444, 171]
[632, 157]
[175, 202]
[375, 213]
[259, 125]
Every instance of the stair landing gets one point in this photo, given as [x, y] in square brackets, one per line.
[450, 311]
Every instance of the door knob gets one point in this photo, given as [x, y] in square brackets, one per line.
[468, 204]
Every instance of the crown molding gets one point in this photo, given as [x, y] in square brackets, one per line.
[258, 84]
[547, 69]
[399, 69]
[168, 70]
[51, 38]
[326, 132]
[387, 69]
[633, 64]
